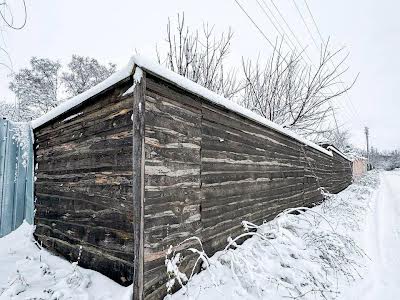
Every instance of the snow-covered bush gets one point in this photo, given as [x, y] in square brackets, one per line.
[302, 253]
[173, 260]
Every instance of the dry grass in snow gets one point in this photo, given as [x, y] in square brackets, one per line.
[308, 255]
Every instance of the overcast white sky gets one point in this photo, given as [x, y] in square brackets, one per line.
[112, 30]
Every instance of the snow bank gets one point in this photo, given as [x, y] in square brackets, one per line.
[287, 257]
[312, 255]
[178, 80]
[28, 272]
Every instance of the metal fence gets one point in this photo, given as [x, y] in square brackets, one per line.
[16, 175]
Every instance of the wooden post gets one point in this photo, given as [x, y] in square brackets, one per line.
[138, 186]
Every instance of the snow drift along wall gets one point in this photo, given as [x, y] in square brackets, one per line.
[16, 175]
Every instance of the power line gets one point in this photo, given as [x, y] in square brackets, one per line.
[302, 49]
[315, 23]
[351, 106]
[261, 31]
[287, 25]
[305, 23]
[255, 24]
[354, 112]
[273, 23]
[11, 23]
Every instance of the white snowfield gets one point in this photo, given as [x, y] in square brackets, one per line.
[184, 83]
[312, 255]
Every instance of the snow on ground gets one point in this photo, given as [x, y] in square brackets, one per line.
[312, 255]
[28, 273]
[381, 240]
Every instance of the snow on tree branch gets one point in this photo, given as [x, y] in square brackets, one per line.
[44, 85]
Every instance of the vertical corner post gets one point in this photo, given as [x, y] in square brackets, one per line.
[138, 159]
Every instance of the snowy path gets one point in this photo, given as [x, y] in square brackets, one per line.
[381, 241]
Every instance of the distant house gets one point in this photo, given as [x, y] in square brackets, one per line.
[360, 166]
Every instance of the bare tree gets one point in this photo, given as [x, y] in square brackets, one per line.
[340, 138]
[291, 92]
[200, 56]
[84, 73]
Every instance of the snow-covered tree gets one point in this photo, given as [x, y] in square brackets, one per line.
[84, 73]
[340, 138]
[37, 87]
[387, 160]
[7, 110]
[43, 85]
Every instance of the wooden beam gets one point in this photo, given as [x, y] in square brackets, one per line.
[138, 186]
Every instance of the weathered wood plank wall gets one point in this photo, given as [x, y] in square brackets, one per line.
[172, 177]
[207, 169]
[84, 184]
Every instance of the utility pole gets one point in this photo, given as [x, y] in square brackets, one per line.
[338, 139]
[366, 129]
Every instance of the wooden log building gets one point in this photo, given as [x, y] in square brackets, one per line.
[148, 158]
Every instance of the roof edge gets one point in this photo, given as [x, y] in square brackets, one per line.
[213, 97]
[179, 81]
[79, 99]
[334, 149]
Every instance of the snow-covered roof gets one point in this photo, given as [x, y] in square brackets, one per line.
[77, 100]
[353, 155]
[182, 82]
[332, 148]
